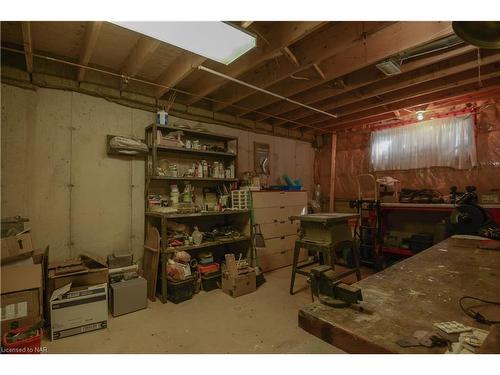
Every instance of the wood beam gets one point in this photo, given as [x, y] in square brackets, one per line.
[179, 69]
[28, 45]
[138, 56]
[482, 94]
[290, 56]
[330, 40]
[353, 81]
[90, 40]
[387, 42]
[451, 82]
[333, 172]
[281, 35]
[246, 24]
[466, 63]
[469, 88]
[319, 71]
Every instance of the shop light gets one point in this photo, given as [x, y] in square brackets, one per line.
[420, 115]
[215, 40]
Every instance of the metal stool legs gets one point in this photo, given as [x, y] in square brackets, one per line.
[296, 253]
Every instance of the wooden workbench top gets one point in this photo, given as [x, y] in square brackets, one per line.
[411, 296]
[431, 205]
[324, 217]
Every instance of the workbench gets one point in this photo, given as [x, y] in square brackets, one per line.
[410, 296]
[422, 215]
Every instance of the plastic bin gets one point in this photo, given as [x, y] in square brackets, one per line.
[213, 267]
[30, 345]
[211, 281]
[180, 291]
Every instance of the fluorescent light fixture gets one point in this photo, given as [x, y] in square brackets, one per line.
[215, 40]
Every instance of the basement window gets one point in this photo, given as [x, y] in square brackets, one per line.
[447, 142]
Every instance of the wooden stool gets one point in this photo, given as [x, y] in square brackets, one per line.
[328, 252]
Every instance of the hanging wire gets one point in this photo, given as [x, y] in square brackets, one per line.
[179, 91]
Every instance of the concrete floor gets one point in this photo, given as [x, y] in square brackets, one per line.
[212, 322]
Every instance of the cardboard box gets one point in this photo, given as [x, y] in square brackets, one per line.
[128, 296]
[77, 311]
[87, 270]
[20, 309]
[238, 285]
[22, 293]
[16, 247]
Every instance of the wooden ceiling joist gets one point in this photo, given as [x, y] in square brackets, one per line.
[408, 81]
[91, 34]
[246, 24]
[179, 69]
[319, 71]
[352, 82]
[330, 40]
[425, 99]
[28, 45]
[290, 56]
[140, 54]
[281, 35]
[450, 82]
[475, 95]
[387, 42]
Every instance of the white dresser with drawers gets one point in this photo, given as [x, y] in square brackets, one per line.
[272, 210]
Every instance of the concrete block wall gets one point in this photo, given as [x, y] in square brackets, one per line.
[55, 170]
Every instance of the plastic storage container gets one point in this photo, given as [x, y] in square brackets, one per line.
[29, 345]
[180, 291]
[211, 281]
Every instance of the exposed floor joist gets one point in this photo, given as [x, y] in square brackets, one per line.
[28, 45]
[179, 69]
[91, 34]
[353, 81]
[370, 115]
[404, 35]
[140, 54]
[435, 76]
[284, 34]
[328, 41]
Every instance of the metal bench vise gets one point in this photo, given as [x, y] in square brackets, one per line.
[331, 291]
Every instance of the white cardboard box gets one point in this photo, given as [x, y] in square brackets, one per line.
[78, 311]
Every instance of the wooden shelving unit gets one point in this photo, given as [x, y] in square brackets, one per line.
[240, 219]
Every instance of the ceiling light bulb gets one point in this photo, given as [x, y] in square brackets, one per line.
[420, 115]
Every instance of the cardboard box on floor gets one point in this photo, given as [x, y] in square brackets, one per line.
[237, 281]
[87, 270]
[22, 292]
[77, 310]
[16, 248]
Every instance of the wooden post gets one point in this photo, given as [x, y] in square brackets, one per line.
[332, 171]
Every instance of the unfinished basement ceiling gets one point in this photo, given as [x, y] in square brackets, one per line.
[327, 65]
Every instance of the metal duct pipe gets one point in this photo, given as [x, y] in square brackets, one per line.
[201, 67]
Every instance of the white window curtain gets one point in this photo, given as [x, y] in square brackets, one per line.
[447, 142]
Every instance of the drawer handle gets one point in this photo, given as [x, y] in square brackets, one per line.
[283, 222]
[275, 220]
[282, 237]
[282, 206]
